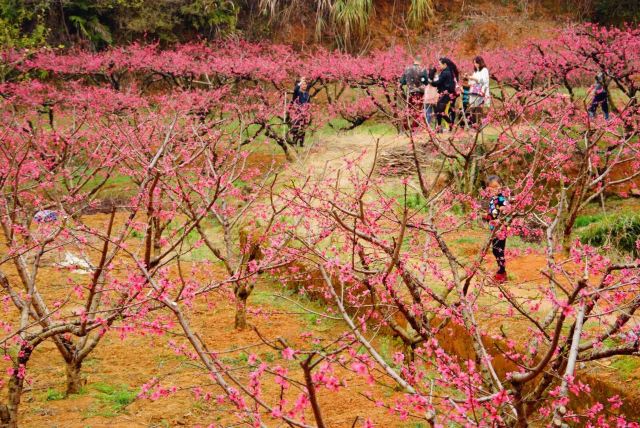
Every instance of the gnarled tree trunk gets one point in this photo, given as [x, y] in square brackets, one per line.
[9, 411]
[75, 380]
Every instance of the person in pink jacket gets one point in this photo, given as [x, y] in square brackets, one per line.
[430, 99]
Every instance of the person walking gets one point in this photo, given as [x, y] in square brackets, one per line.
[446, 84]
[414, 79]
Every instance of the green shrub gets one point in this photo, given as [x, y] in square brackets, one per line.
[619, 232]
[586, 220]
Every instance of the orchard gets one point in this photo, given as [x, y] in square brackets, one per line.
[164, 225]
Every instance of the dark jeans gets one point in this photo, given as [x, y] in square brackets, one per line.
[466, 113]
[497, 247]
[441, 109]
[298, 119]
[600, 99]
[298, 134]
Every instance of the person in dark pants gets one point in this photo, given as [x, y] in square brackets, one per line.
[466, 93]
[446, 84]
[414, 78]
[497, 203]
[600, 97]
[299, 117]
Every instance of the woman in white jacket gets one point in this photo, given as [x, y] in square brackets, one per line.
[480, 95]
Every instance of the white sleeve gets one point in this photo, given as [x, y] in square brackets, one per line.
[483, 77]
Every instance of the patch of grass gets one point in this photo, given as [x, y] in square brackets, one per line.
[368, 127]
[625, 366]
[457, 209]
[414, 201]
[519, 243]
[388, 345]
[269, 357]
[91, 362]
[312, 319]
[54, 395]
[240, 359]
[465, 240]
[586, 220]
[260, 296]
[117, 398]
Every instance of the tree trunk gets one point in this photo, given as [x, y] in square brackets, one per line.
[241, 308]
[566, 234]
[9, 411]
[521, 413]
[75, 381]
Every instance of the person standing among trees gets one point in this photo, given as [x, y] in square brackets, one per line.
[497, 203]
[446, 83]
[466, 95]
[299, 116]
[414, 78]
[480, 90]
[430, 98]
[600, 97]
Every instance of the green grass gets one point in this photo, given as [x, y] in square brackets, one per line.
[266, 296]
[625, 366]
[618, 231]
[54, 395]
[114, 398]
[269, 357]
[465, 240]
[387, 346]
[240, 359]
[519, 243]
[370, 126]
[586, 220]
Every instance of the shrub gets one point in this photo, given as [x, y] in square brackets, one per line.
[619, 232]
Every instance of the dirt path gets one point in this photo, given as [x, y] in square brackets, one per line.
[331, 151]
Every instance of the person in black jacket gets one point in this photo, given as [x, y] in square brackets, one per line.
[298, 115]
[600, 97]
[446, 84]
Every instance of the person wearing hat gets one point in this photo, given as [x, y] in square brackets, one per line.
[414, 78]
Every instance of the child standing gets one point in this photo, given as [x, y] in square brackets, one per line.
[497, 202]
[466, 92]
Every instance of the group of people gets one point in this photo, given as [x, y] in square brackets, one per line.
[436, 91]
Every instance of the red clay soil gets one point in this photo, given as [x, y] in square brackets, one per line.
[136, 360]
[130, 362]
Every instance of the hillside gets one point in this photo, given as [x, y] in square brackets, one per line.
[355, 26]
